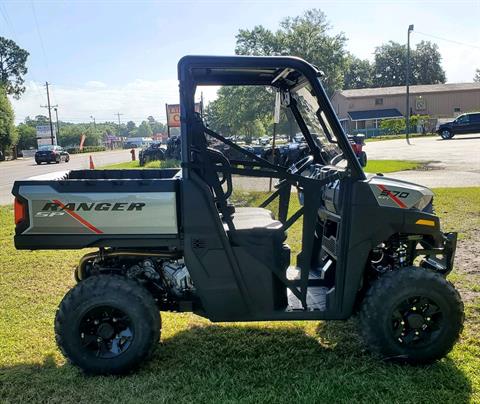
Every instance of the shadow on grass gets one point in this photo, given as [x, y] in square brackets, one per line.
[250, 364]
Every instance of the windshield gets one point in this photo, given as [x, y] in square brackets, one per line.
[317, 122]
[46, 148]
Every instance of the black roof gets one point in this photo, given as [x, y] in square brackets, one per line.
[253, 70]
[375, 114]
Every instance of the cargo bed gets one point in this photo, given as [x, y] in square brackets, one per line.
[102, 208]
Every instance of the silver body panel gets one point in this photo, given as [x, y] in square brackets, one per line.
[394, 193]
[119, 213]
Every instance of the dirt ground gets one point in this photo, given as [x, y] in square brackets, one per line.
[467, 262]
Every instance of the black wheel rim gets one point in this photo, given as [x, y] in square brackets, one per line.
[417, 321]
[106, 331]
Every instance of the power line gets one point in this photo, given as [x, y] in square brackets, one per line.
[39, 35]
[6, 17]
[447, 40]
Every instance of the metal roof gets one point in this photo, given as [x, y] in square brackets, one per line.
[374, 114]
[401, 90]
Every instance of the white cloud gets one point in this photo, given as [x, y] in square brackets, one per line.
[135, 100]
[95, 84]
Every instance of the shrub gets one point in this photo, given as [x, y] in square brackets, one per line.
[86, 149]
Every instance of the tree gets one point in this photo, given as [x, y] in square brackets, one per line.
[27, 137]
[476, 78]
[12, 67]
[307, 36]
[237, 107]
[144, 130]
[391, 64]
[131, 128]
[358, 74]
[8, 132]
[427, 68]
[157, 127]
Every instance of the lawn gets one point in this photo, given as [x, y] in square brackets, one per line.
[373, 166]
[136, 164]
[390, 166]
[198, 361]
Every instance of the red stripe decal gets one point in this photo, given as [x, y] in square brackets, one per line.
[77, 217]
[392, 197]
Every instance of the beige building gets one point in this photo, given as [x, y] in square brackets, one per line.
[362, 110]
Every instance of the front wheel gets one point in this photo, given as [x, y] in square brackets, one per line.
[411, 315]
[446, 134]
[107, 324]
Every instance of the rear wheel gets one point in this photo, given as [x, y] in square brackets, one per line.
[411, 315]
[107, 324]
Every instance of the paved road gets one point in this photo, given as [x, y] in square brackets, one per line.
[25, 168]
[454, 162]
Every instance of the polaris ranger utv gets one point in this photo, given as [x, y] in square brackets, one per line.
[171, 240]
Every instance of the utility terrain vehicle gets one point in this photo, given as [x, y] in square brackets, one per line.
[171, 240]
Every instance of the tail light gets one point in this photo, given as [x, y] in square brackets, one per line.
[20, 211]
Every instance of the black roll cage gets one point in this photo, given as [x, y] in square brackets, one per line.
[244, 70]
[194, 71]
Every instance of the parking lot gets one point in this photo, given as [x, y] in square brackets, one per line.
[451, 163]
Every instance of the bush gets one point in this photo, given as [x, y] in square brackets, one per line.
[86, 149]
[393, 126]
[163, 164]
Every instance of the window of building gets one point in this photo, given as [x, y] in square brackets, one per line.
[378, 101]
[456, 109]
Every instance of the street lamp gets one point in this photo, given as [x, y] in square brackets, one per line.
[94, 123]
[407, 126]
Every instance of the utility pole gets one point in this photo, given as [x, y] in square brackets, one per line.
[118, 114]
[407, 114]
[49, 112]
[58, 124]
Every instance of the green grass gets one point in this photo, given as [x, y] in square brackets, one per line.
[390, 166]
[198, 361]
[136, 164]
[373, 166]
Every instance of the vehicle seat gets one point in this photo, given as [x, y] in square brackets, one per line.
[255, 225]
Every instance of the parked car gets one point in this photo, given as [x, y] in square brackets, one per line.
[51, 154]
[153, 152]
[465, 123]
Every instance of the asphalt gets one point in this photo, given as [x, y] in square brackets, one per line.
[25, 168]
[451, 163]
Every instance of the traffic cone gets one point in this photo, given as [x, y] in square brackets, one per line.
[92, 166]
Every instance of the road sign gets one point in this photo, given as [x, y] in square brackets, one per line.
[44, 135]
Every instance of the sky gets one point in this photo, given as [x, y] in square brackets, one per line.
[106, 57]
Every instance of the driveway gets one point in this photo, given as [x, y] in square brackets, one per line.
[25, 168]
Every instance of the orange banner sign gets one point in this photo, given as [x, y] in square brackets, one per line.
[173, 114]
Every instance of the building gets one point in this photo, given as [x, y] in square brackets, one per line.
[361, 110]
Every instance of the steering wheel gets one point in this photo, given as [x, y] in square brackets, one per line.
[301, 165]
[297, 168]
